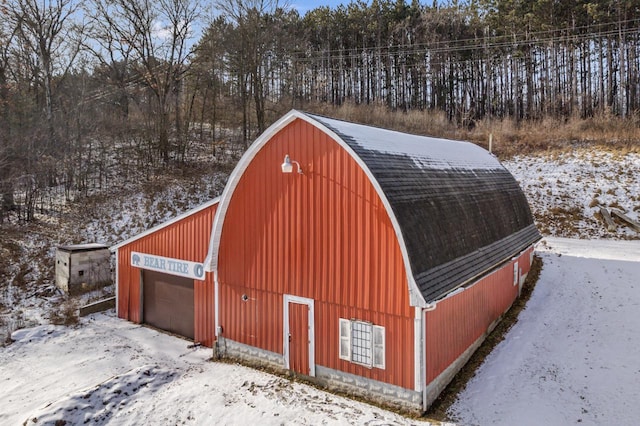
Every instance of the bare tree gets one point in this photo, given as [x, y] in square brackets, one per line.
[39, 44]
[154, 38]
[47, 32]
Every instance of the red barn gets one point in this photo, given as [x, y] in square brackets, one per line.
[372, 260]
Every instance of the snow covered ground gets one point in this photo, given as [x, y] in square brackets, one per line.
[109, 371]
[572, 357]
[566, 188]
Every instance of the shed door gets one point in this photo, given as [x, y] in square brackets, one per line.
[299, 338]
[168, 303]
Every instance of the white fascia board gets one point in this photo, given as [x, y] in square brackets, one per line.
[117, 282]
[211, 262]
[418, 349]
[167, 223]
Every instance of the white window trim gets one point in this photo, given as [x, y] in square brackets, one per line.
[516, 273]
[344, 336]
[345, 327]
[382, 346]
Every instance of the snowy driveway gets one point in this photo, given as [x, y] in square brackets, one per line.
[573, 357]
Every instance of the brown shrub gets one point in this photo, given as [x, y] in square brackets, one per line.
[64, 314]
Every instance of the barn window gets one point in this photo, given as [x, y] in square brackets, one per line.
[80, 273]
[516, 274]
[362, 343]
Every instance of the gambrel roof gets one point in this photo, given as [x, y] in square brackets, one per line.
[460, 211]
[457, 212]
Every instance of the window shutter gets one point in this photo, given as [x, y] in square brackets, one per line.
[378, 347]
[345, 339]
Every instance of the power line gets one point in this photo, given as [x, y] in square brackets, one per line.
[565, 33]
[440, 48]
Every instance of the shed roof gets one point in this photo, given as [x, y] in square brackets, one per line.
[72, 248]
[460, 211]
[457, 212]
[166, 224]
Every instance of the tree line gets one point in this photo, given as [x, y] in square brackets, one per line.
[517, 59]
[93, 89]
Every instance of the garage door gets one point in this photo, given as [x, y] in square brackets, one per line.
[168, 302]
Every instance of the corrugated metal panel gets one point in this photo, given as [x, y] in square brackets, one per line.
[168, 303]
[460, 320]
[323, 235]
[204, 311]
[185, 239]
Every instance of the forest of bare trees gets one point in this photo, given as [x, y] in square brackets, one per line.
[93, 89]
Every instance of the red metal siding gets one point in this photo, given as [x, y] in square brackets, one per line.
[323, 235]
[525, 261]
[458, 321]
[187, 239]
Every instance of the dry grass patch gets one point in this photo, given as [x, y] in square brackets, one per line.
[64, 314]
[620, 136]
[565, 220]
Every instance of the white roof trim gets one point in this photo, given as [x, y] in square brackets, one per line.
[211, 262]
[167, 223]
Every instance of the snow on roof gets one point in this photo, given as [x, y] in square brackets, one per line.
[459, 211]
[83, 247]
[425, 151]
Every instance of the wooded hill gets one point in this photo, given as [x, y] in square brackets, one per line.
[93, 89]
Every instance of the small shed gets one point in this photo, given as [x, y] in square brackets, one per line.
[81, 267]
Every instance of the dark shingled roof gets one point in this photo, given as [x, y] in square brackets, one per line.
[461, 213]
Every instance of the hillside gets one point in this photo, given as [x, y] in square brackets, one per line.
[564, 188]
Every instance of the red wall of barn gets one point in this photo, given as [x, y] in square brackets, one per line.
[458, 321]
[323, 235]
[187, 239]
